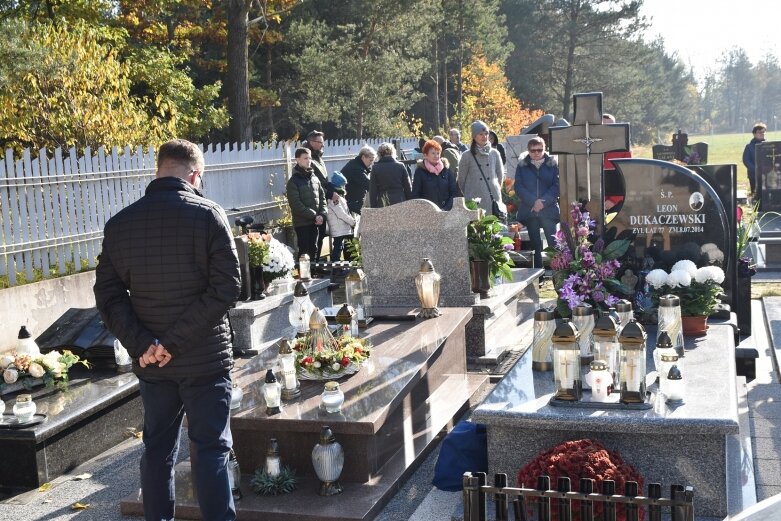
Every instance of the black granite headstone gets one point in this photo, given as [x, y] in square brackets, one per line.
[768, 161]
[695, 154]
[670, 213]
[663, 152]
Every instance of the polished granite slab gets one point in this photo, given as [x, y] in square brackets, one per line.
[670, 444]
[414, 385]
[98, 410]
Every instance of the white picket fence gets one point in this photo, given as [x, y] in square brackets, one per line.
[53, 207]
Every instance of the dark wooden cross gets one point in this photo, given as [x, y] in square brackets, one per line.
[580, 147]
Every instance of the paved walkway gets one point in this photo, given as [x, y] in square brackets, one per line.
[114, 474]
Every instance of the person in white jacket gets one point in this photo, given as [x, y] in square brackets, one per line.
[340, 221]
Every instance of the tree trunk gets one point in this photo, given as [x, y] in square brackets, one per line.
[445, 102]
[269, 85]
[237, 77]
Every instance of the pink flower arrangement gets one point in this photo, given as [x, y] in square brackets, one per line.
[584, 266]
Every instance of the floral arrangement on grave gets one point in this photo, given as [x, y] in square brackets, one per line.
[321, 356]
[585, 266]
[580, 459]
[258, 249]
[699, 289]
[51, 368]
[749, 228]
[280, 261]
[487, 243]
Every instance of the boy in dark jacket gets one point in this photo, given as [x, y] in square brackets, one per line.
[306, 198]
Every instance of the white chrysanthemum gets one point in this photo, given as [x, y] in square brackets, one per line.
[10, 375]
[280, 260]
[656, 278]
[709, 273]
[679, 279]
[685, 265]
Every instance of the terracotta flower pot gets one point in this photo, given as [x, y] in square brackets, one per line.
[695, 326]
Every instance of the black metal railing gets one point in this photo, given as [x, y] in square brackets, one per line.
[529, 504]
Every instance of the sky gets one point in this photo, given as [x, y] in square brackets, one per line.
[700, 31]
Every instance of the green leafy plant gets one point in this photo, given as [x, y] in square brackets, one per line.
[487, 243]
[267, 485]
[354, 249]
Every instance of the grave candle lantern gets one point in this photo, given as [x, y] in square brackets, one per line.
[427, 284]
[273, 466]
[271, 392]
[670, 319]
[236, 396]
[606, 345]
[346, 317]
[624, 310]
[287, 359]
[674, 386]
[632, 356]
[542, 345]
[663, 346]
[566, 362]
[24, 408]
[26, 345]
[600, 380]
[332, 397]
[304, 267]
[668, 360]
[355, 289]
[328, 461]
[300, 309]
[583, 319]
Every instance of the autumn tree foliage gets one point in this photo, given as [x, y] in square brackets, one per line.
[487, 96]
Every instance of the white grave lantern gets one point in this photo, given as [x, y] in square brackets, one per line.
[632, 356]
[300, 309]
[427, 284]
[355, 290]
[287, 359]
[606, 345]
[670, 319]
[566, 362]
[583, 319]
[600, 380]
[304, 267]
[542, 345]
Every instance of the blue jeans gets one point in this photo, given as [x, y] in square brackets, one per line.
[337, 247]
[533, 224]
[206, 400]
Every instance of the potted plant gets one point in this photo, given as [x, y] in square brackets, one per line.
[699, 289]
[585, 266]
[488, 249]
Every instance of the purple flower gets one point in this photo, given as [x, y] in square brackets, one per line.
[599, 245]
[611, 300]
[509, 247]
[561, 241]
[587, 259]
[582, 231]
[598, 296]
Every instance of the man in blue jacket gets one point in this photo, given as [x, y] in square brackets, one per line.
[758, 133]
[537, 188]
[166, 277]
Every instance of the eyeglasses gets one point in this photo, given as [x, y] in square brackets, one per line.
[536, 150]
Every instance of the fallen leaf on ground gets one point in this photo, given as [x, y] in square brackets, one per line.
[46, 486]
[80, 506]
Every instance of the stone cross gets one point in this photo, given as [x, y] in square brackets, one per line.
[581, 146]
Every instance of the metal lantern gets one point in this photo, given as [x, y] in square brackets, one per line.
[304, 267]
[624, 310]
[355, 289]
[632, 357]
[670, 319]
[272, 393]
[287, 359]
[328, 460]
[348, 320]
[300, 309]
[427, 283]
[674, 385]
[26, 345]
[273, 466]
[583, 319]
[566, 362]
[542, 345]
[606, 345]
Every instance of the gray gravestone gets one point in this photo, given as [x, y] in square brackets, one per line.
[768, 161]
[584, 142]
[394, 241]
[670, 213]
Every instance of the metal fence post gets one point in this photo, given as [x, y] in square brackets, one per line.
[630, 490]
[609, 508]
[586, 507]
[543, 503]
[482, 479]
[471, 488]
[500, 500]
[564, 505]
[654, 511]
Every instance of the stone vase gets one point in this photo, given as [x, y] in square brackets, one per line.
[256, 282]
[479, 273]
[694, 326]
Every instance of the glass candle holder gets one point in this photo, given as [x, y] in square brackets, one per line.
[583, 319]
[566, 362]
[304, 267]
[625, 312]
[599, 380]
[675, 386]
[670, 319]
[606, 345]
[427, 284]
[236, 396]
[291, 388]
[542, 345]
[332, 397]
[355, 289]
[632, 355]
[328, 461]
[272, 393]
[24, 408]
[273, 463]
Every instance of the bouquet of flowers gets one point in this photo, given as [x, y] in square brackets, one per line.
[581, 459]
[509, 197]
[584, 267]
[279, 261]
[318, 362]
[52, 368]
[258, 249]
[698, 288]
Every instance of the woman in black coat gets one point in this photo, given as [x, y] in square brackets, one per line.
[494, 140]
[433, 179]
[389, 182]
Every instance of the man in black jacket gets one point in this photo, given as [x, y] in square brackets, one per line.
[166, 277]
[315, 142]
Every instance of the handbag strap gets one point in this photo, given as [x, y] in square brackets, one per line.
[484, 179]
